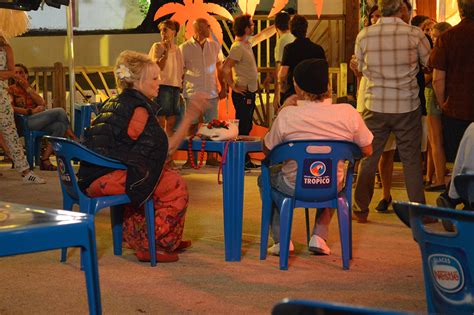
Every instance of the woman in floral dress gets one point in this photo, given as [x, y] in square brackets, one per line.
[7, 122]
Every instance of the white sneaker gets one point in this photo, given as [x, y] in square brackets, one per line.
[32, 178]
[275, 249]
[318, 246]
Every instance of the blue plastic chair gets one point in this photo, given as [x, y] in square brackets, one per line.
[27, 229]
[302, 307]
[32, 141]
[316, 187]
[82, 118]
[447, 255]
[68, 151]
[464, 184]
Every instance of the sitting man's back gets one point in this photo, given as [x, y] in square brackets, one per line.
[313, 118]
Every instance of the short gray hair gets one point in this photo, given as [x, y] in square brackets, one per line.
[389, 7]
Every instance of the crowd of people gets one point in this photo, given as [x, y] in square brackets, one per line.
[401, 77]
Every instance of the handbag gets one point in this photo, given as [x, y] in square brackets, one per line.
[219, 130]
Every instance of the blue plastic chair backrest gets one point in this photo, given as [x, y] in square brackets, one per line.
[317, 161]
[303, 307]
[464, 184]
[448, 257]
[67, 151]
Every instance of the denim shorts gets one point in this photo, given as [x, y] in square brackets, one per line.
[209, 114]
[168, 99]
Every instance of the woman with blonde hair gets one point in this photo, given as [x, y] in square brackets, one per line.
[126, 129]
[7, 122]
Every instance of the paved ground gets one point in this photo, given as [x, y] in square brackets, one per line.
[385, 272]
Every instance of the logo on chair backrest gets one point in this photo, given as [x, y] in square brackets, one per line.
[446, 272]
[317, 173]
[317, 168]
[65, 177]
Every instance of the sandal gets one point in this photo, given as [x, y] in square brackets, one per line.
[45, 165]
[161, 256]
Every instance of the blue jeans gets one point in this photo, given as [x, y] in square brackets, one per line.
[168, 99]
[54, 121]
[323, 216]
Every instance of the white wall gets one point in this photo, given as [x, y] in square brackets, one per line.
[90, 50]
[92, 15]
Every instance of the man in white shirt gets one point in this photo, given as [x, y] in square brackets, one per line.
[388, 54]
[202, 67]
[313, 118]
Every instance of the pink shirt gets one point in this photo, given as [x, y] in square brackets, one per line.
[317, 121]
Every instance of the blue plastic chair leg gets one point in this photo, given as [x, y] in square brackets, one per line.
[350, 232]
[286, 219]
[266, 217]
[306, 214]
[29, 144]
[63, 254]
[37, 150]
[68, 203]
[89, 262]
[116, 220]
[344, 230]
[150, 225]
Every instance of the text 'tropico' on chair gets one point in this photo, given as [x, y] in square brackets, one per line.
[447, 255]
[68, 151]
[315, 187]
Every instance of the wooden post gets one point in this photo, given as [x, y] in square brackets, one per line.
[59, 86]
[351, 31]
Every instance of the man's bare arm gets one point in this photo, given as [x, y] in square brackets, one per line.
[283, 78]
[439, 86]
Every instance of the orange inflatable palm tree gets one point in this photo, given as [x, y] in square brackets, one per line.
[278, 5]
[191, 10]
[249, 6]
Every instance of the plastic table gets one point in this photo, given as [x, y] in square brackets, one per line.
[233, 172]
[28, 229]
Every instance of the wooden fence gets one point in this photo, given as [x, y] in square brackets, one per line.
[91, 81]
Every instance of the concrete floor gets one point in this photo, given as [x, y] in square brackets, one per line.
[385, 273]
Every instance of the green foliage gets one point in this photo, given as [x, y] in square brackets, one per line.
[143, 5]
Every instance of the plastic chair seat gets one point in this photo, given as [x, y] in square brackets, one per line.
[68, 151]
[26, 229]
[311, 190]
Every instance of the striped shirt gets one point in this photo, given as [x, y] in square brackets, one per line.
[388, 54]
